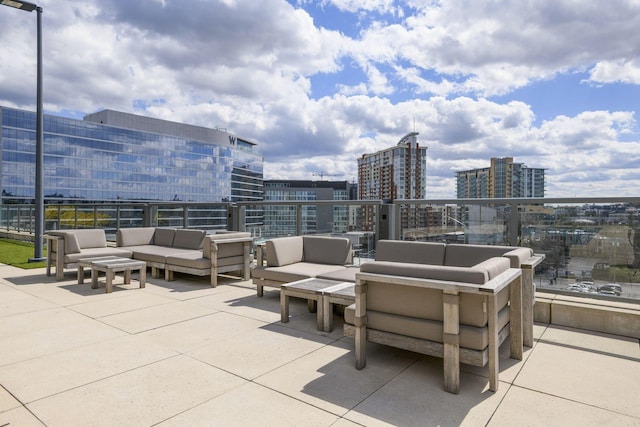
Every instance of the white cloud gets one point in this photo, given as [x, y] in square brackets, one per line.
[380, 6]
[620, 71]
[253, 67]
[491, 48]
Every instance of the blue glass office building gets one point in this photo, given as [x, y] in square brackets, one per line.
[114, 156]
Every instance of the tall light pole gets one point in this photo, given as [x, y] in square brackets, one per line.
[39, 190]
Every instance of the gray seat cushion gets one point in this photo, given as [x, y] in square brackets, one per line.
[97, 252]
[347, 274]
[155, 253]
[192, 259]
[292, 272]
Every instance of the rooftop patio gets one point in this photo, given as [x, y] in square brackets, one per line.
[183, 353]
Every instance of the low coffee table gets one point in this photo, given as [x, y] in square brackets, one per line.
[315, 290]
[110, 266]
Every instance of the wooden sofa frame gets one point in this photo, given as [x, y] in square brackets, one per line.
[214, 270]
[449, 349]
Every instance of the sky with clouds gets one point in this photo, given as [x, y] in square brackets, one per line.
[317, 83]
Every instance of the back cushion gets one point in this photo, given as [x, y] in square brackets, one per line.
[493, 266]
[411, 252]
[71, 244]
[69, 239]
[518, 255]
[426, 303]
[470, 255]
[135, 236]
[188, 239]
[164, 236]
[477, 276]
[91, 238]
[326, 250]
[284, 251]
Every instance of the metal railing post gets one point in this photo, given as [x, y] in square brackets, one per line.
[236, 219]
[148, 214]
[513, 232]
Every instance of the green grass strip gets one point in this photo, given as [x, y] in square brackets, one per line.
[17, 253]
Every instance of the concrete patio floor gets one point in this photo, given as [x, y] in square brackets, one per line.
[185, 354]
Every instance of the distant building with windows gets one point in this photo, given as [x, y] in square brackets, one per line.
[315, 219]
[398, 172]
[503, 179]
[115, 156]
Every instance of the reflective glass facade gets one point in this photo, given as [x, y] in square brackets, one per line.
[504, 179]
[281, 220]
[92, 161]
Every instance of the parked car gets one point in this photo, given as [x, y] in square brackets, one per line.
[577, 287]
[586, 287]
[610, 289]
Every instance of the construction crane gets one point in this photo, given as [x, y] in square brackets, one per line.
[322, 175]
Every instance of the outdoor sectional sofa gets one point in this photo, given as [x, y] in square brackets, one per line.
[66, 247]
[300, 257]
[188, 251]
[168, 249]
[458, 302]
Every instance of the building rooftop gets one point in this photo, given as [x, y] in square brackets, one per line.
[183, 353]
[124, 120]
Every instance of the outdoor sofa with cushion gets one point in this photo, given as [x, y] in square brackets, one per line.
[154, 244]
[221, 253]
[458, 303]
[66, 247]
[300, 257]
[168, 249]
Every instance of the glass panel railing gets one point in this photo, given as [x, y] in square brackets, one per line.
[592, 246]
[590, 249]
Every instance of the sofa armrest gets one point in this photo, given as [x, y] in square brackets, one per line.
[55, 254]
[216, 245]
[261, 249]
[533, 261]
[528, 296]
[493, 286]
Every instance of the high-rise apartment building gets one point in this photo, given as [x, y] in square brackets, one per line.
[116, 156]
[503, 179]
[281, 220]
[398, 172]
